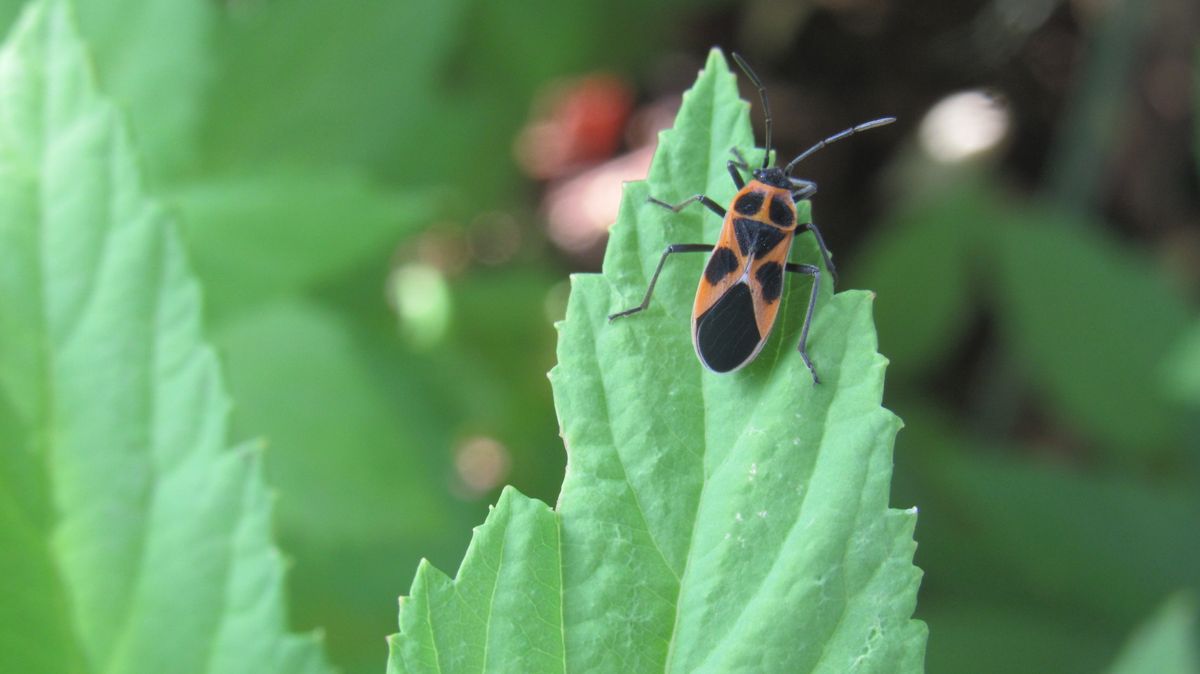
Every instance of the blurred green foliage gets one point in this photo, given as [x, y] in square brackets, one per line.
[307, 146]
[133, 536]
[1058, 481]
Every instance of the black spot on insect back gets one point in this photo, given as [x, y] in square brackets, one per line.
[770, 279]
[782, 213]
[749, 203]
[768, 238]
[722, 263]
[756, 238]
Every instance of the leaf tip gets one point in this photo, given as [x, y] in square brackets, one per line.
[716, 59]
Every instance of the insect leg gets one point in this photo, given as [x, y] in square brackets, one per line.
[741, 159]
[815, 273]
[824, 251]
[733, 173]
[805, 189]
[673, 248]
[708, 203]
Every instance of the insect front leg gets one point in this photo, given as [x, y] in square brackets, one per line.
[740, 163]
[708, 203]
[673, 248]
[802, 189]
[815, 273]
[733, 172]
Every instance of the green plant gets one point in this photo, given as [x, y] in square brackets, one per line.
[132, 537]
[1047, 369]
[706, 523]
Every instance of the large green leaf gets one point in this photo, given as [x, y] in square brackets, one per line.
[706, 522]
[141, 539]
[153, 60]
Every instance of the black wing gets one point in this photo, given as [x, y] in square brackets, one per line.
[726, 336]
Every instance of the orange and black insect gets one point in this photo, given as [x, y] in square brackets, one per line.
[738, 298]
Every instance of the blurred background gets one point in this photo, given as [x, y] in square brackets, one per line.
[385, 199]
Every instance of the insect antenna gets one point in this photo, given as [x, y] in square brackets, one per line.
[874, 123]
[762, 92]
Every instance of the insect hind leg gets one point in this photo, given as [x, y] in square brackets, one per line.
[802, 347]
[671, 249]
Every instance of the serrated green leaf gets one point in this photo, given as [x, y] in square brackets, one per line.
[153, 60]
[148, 537]
[505, 616]
[1166, 644]
[707, 523]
